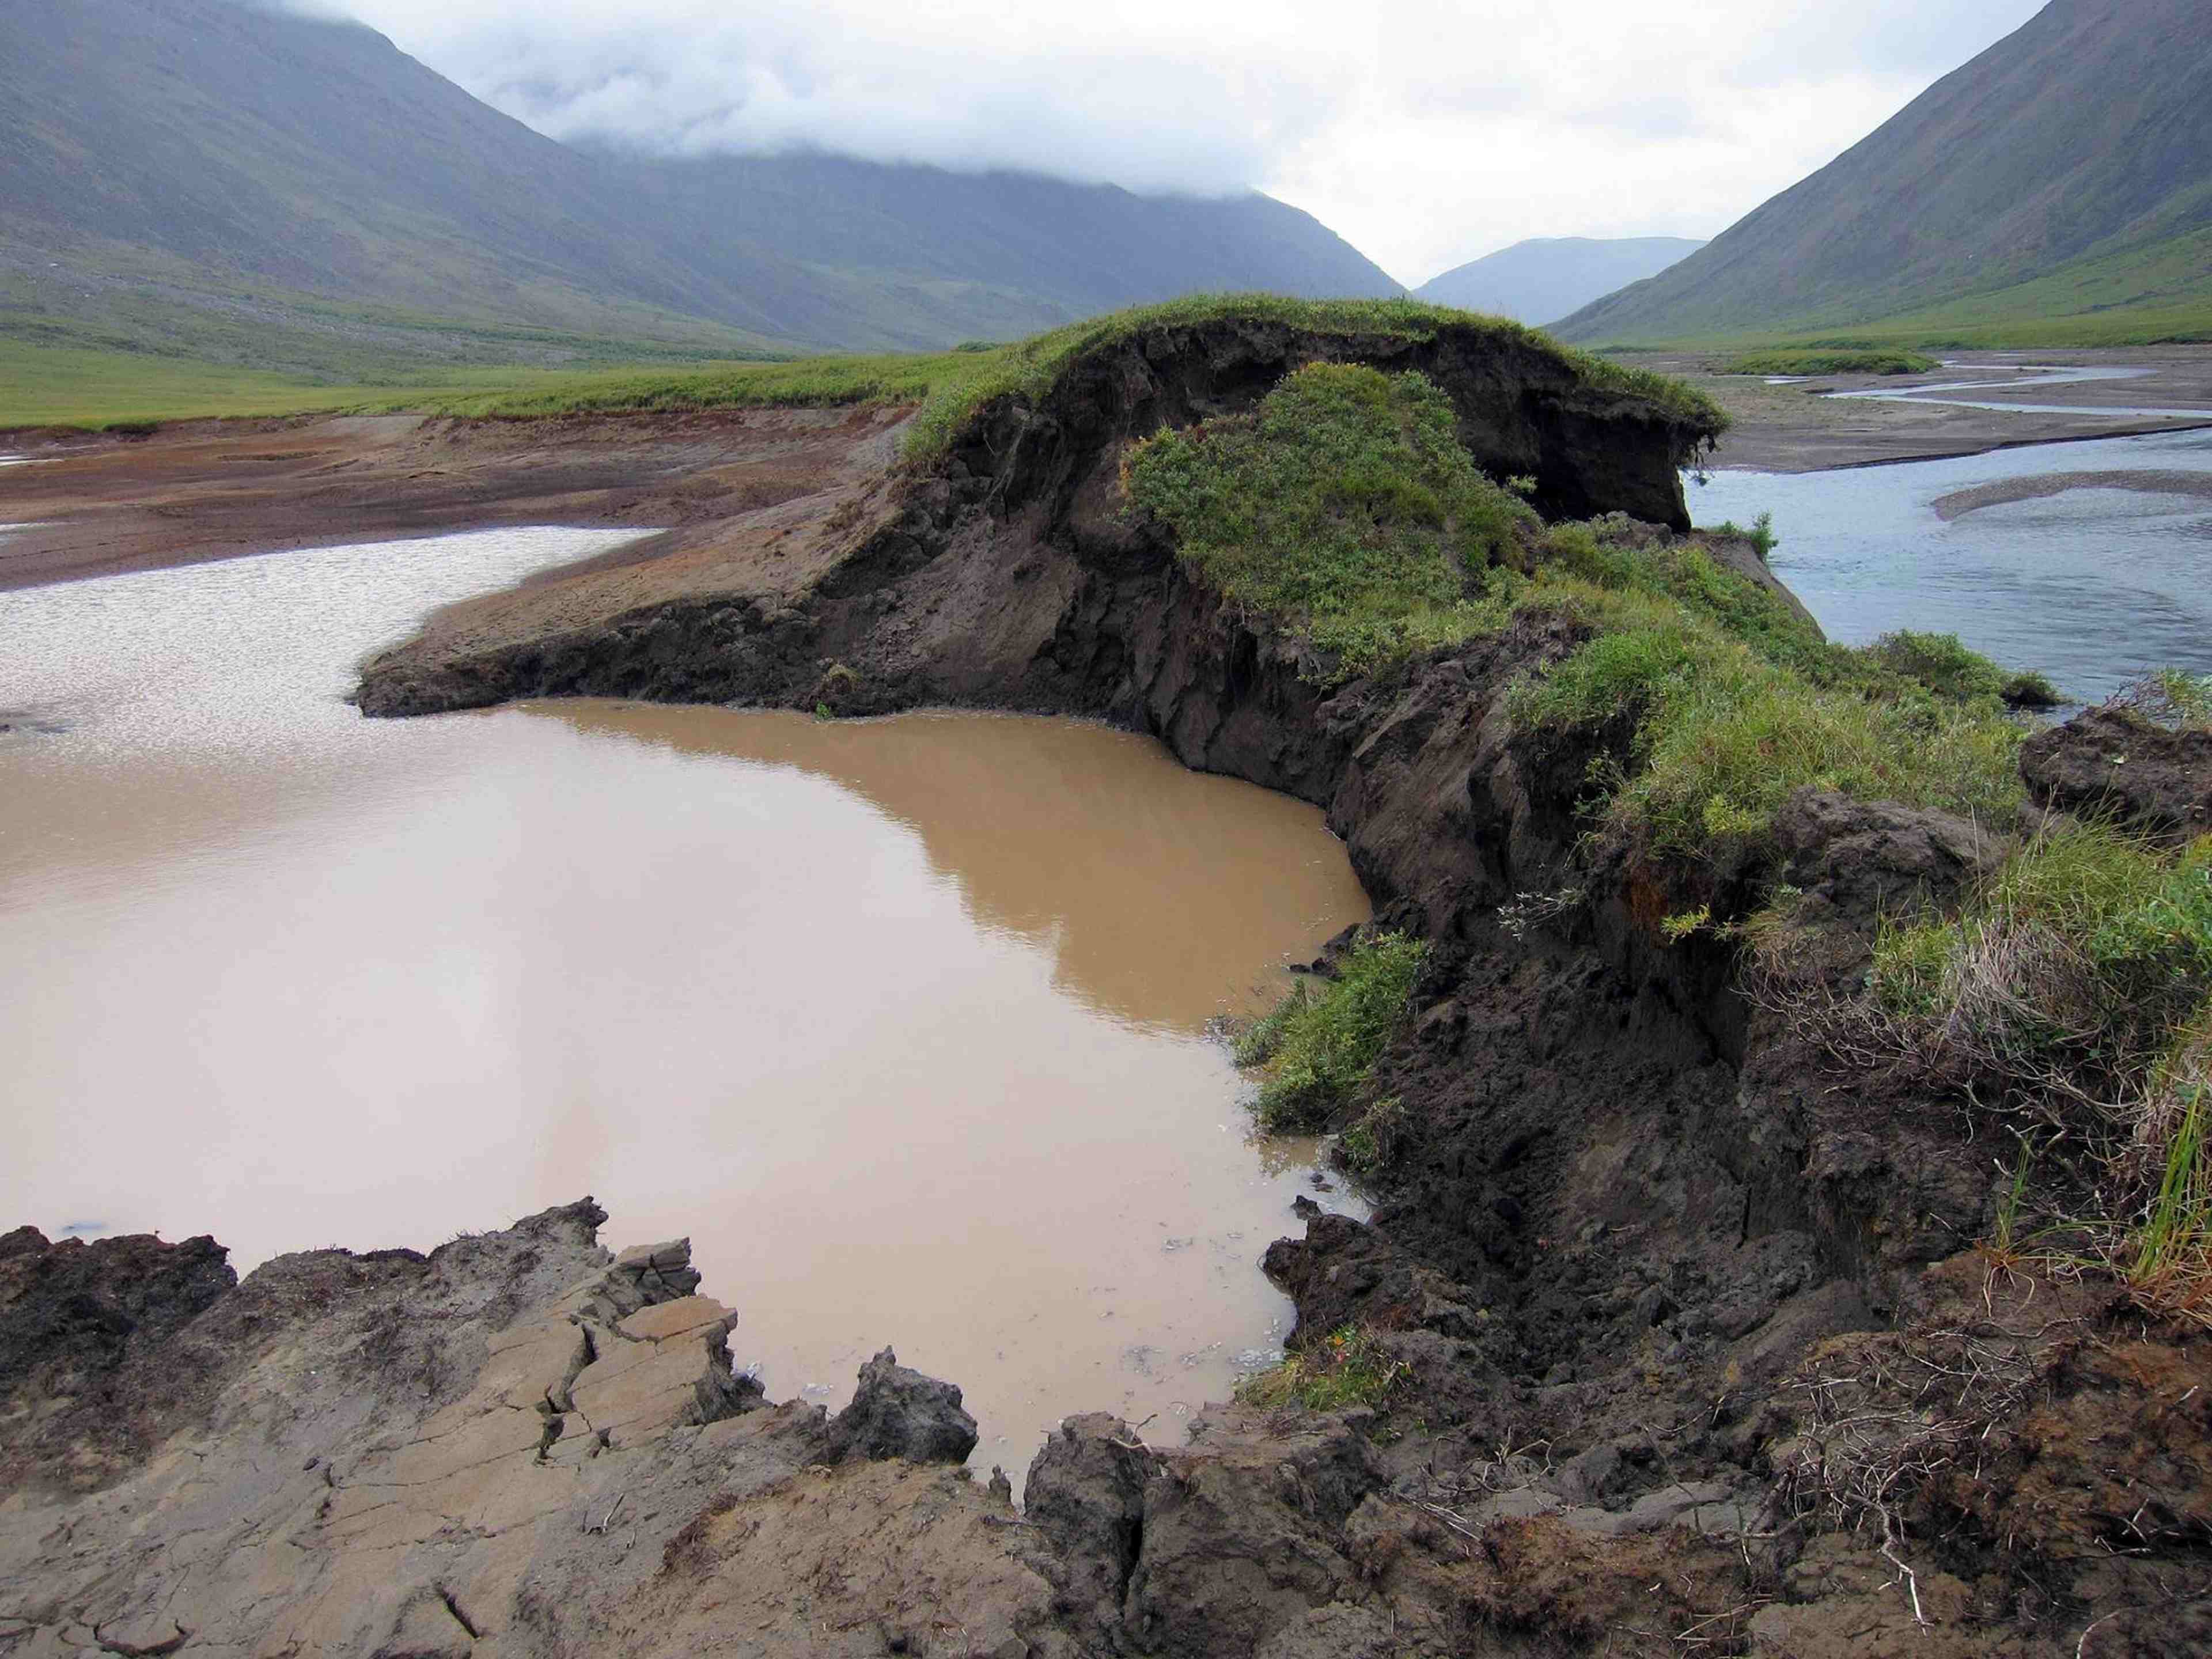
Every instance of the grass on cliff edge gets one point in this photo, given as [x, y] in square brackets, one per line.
[1346, 506]
[1737, 703]
[2073, 998]
[2066, 1004]
[1344, 510]
[952, 386]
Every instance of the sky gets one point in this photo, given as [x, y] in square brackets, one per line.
[1426, 133]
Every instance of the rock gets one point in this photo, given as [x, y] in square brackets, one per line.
[898, 1413]
[646, 1273]
[2111, 762]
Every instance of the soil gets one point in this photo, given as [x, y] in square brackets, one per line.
[1793, 428]
[101, 505]
[1696, 1347]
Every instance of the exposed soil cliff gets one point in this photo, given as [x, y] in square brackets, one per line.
[1695, 1356]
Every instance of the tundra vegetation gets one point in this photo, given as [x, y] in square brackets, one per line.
[2068, 1000]
[92, 389]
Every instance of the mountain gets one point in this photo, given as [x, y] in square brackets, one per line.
[198, 175]
[1548, 276]
[2066, 171]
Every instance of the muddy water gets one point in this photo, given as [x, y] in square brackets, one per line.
[902, 1021]
[2092, 562]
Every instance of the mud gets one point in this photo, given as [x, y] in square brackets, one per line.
[216, 489]
[1633, 1236]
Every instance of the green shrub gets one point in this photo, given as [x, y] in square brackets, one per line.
[1344, 509]
[1345, 1369]
[1761, 534]
[1316, 1051]
[1726, 732]
[1944, 666]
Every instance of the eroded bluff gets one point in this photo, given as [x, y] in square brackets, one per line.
[1696, 1354]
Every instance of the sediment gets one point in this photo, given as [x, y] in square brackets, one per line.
[1698, 1352]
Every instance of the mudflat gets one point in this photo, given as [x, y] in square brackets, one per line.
[1796, 426]
[97, 505]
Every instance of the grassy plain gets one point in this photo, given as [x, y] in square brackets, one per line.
[42, 385]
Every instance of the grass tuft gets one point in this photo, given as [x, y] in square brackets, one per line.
[2072, 998]
[1348, 1368]
[2170, 697]
[1315, 1052]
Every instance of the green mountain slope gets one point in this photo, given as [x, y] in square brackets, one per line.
[1548, 276]
[200, 178]
[2068, 165]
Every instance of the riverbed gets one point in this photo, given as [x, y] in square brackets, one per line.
[905, 1021]
[2090, 562]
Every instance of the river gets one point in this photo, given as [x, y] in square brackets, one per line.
[2090, 562]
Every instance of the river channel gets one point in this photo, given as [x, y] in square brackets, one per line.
[904, 1022]
[2090, 562]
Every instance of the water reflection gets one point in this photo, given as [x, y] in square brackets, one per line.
[1073, 836]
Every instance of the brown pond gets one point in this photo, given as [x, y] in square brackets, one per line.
[903, 1021]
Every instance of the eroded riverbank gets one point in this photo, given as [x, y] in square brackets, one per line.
[1635, 1225]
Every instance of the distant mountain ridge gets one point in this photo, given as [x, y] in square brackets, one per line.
[2081, 144]
[1548, 276]
[167, 159]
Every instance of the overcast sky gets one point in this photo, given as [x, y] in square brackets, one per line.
[1427, 133]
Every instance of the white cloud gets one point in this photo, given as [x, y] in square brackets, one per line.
[1425, 132]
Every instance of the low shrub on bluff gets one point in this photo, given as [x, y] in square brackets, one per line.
[1738, 701]
[1315, 1052]
[1344, 509]
[1941, 663]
